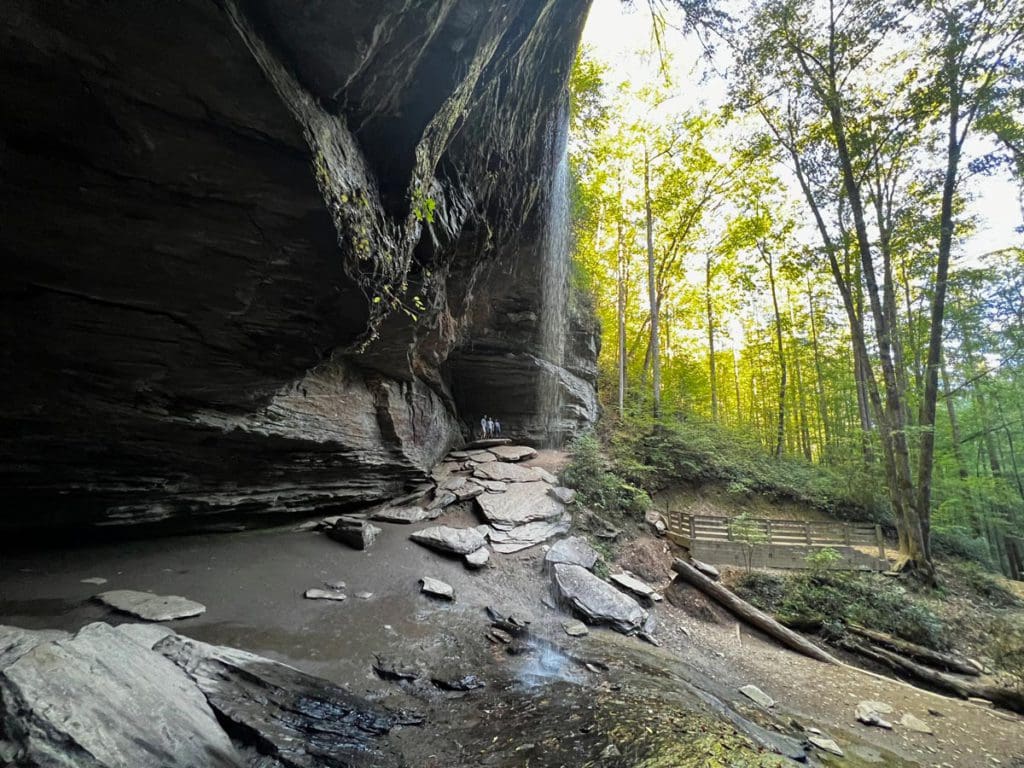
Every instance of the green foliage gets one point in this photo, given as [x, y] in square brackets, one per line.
[423, 206]
[960, 542]
[597, 486]
[821, 560]
[831, 599]
[984, 585]
[686, 450]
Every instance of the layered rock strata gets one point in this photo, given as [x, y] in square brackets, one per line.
[266, 257]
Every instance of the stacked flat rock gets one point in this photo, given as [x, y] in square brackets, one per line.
[511, 473]
[631, 583]
[572, 551]
[528, 535]
[513, 452]
[457, 541]
[596, 601]
[521, 503]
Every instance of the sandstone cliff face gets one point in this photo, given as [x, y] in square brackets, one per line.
[224, 296]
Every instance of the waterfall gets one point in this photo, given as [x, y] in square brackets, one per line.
[555, 280]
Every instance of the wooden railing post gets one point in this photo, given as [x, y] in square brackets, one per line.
[768, 530]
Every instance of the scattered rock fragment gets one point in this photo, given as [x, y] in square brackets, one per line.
[442, 499]
[323, 594]
[575, 628]
[828, 745]
[491, 486]
[468, 491]
[309, 525]
[757, 696]
[636, 587]
[610, 752]
[356, 533]
[364, 595]
[564, 495]
[335, 585]
[437, 588]
[878, 706]
[915, 724]
[513, 452]
[868, 715]
[460, 683]
[457, 541]
[656, 520]
[573, 550]
[96, 580]
[478, 558]
[393, 669]
[150, 607]
[407, 515]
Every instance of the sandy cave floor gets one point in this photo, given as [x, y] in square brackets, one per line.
[539, 708]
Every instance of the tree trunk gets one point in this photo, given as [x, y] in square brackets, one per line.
[621, 310]
[781, 428]
[819, 385]
[954, 426]
[711, 337]
[748, 613]
[651, 288]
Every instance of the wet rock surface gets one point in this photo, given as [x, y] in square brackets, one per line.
[150, 607]
[573, 550]
[596, 601]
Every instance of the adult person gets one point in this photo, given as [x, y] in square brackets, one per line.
[497, 428]
[490, 427]
[483, 426]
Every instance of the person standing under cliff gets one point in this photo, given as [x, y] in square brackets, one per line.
[497, 428]
[483, 427]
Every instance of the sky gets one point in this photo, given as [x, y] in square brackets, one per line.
[619, 34]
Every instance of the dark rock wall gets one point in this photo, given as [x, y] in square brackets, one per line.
[223, 296]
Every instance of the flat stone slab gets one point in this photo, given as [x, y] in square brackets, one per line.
[513, 452]
[522, 503]
[640, 588]
[597, 601]
[757, 696]
[491, 486]
[488, 443]
[468, 491]
[479, 558]
[575, 551]
[150, 607]
[511, 473]
[94, 580]
[323, 594]
[916, 724]
[442, 499]
[529, 535]
[458, 541]
[407, 515]
[437, 588]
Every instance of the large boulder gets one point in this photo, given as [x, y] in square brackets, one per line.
[101, 699]
[521, 503]
[596, 601]
[528, 535]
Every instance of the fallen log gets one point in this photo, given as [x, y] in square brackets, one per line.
[1008, 698]
[918, 652]
[756, 618]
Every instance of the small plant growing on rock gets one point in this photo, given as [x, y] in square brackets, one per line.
[749, 532]
[423, 206]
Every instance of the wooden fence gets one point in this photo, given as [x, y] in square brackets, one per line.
[777, 543]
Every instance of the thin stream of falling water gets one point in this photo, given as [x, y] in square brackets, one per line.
[555, 281]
